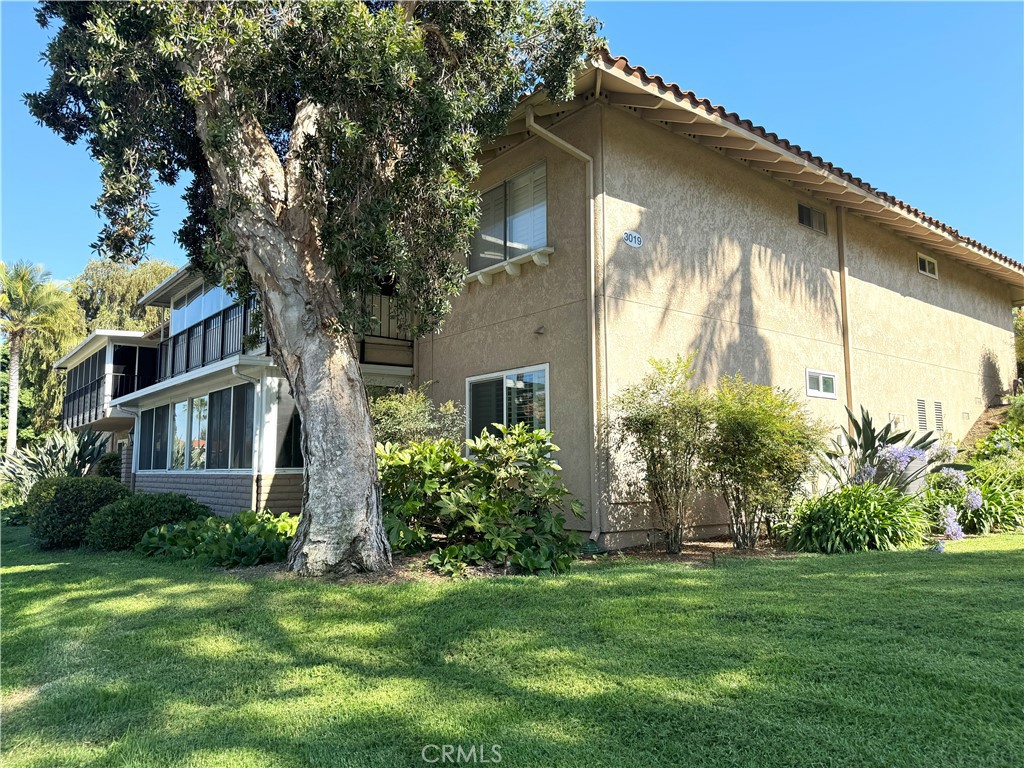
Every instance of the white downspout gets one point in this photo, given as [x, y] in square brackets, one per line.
[568, 148]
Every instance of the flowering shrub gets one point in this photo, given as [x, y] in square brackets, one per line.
[855, 518]
[885, 456]
[989, 497]
[951, 527]
[505, 505]
[1004, 441]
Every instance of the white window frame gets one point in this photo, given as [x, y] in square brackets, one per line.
[834, 395]
[929, 261]
[545, 367]
[539, 254]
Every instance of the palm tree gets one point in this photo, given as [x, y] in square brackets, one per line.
[30, 303]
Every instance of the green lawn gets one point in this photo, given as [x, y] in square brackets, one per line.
[913, 659]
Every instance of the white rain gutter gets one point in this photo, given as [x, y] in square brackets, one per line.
[562, 144]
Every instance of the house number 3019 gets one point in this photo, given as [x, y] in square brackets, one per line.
[632, 238]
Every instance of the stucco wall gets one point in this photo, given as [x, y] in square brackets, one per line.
[728, 272]
[537, 317]
[913, 337]
[224, 492]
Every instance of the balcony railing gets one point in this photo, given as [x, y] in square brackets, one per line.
[385, 343]
[217, 337]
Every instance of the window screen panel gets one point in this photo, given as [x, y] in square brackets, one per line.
[489, 243]
[146, 440]
[242, 415]
[526, 399]
[219, 434]
[161, 419]
[486, 406]
[289, 431]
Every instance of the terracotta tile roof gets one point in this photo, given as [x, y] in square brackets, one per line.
[622, 64]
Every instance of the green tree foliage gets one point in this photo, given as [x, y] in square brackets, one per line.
[664, 424]
[331, 149]
[37, 317]
[109, 293]
[763, 447]
[412, 417]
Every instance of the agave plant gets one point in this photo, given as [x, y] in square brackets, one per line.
[62, 454]
[885, 456]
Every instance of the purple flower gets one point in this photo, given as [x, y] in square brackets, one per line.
[896, 458]
[864, 474]
[951, 525]
[954, 478]
[941, 453]
[972, 499]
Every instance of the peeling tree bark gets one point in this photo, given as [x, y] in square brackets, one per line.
[341, 527]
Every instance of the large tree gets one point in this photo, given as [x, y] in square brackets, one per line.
[32, 308]
[331, 149]
[109, 292]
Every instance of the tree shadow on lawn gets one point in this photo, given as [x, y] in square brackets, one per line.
[889, 659]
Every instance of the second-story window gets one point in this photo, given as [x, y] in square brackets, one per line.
[513, 219]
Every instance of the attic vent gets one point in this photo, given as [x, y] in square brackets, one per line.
[938, 417]
[922, 415]
[811, 217]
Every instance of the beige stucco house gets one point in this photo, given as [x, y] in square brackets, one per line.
[637, 221]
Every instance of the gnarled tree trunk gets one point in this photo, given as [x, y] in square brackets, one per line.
[341, 529]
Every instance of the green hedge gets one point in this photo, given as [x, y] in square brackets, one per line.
[122, 524]
[65, 505]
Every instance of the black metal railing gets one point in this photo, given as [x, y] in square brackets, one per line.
[208, 341]
[386, 331]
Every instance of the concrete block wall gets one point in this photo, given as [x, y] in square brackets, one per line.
[226, 493]
[126, 465]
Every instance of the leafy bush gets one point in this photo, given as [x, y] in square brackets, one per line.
[409, 417]
[15, 515]
[664, 425]
[1015, 413]
[989, 497]
[122, 524]
[762, 448]
[505, 505]
[62, 519]
[855, 518]
[109, 465]
[1002, 441]
[62, 454]
[245, 539]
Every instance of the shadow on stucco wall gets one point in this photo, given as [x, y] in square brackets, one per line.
[990, 378]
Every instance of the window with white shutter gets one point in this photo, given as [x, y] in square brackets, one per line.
[513, 219]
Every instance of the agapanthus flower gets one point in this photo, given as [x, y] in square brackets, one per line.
[972, 499]
[951, 525]
[941, 453]
[896, 458]
[864, 474]
[953, 478]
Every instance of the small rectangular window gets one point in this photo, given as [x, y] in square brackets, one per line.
[821, 384]
[939, 423]
[922, 415]
[926, 265]
[811, 217]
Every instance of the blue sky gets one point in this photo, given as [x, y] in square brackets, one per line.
[922, 100]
